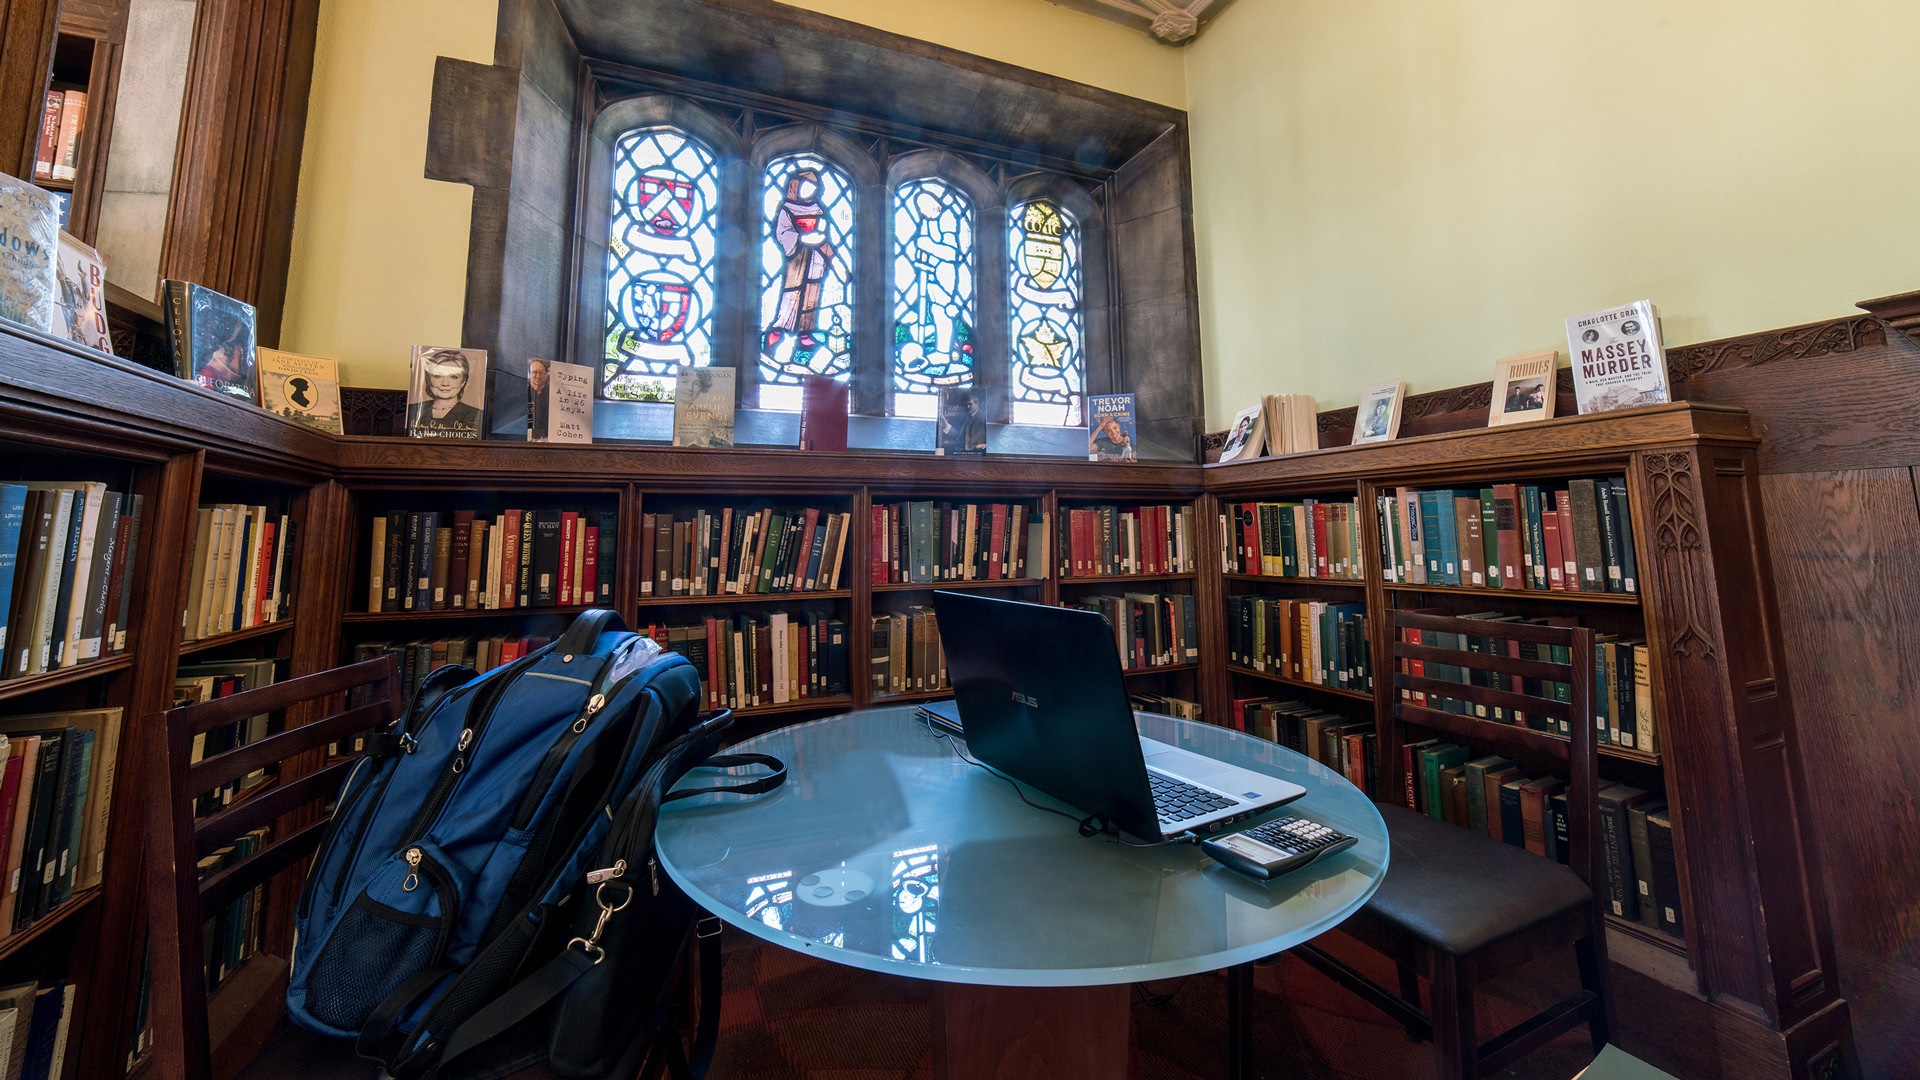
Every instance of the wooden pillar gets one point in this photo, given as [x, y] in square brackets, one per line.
[27, 29]
[244, 119]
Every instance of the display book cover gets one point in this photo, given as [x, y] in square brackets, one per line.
[960, 428]
[304, 389]
[1618, 361]
[703, 407]
[446, 393]
[1377, 419]
[1247, 435]
[823, 413]
[29, 253]
[1523, 388]
[559, 402]
[1111, 428]
[212, 338]
[80, 299]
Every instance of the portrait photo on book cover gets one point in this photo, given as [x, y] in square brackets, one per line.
[1526, 395]
[447, 394]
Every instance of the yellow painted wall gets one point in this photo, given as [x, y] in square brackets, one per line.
[380, 254]
[1392, 189]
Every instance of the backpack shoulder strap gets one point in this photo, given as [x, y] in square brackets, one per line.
[586, 629]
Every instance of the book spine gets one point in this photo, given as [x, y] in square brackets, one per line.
[1535, 537]
[1643, 700]
[607, 564]
[1646, 895]
[134, 518]
[1613, 577]
[13, 512]
[460, 562]
[1621, 898]
[1623, 522]
[179, 321]
[524, 592]
[73, 120]
[49, 144]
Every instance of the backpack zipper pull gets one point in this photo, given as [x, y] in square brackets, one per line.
[412, 882]
[595, 877]
[653, 871]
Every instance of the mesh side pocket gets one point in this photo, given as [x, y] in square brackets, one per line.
[370, 953]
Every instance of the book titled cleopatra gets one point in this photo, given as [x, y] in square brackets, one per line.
[304, 389]
[1617, 359]
[1111, 428]
[212, 336]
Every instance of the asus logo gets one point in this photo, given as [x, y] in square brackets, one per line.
[1025, 700]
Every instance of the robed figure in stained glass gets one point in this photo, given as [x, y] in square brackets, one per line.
[933, 278]
[806, 262]
[800, 229]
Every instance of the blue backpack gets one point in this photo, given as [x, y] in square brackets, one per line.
[460, 849]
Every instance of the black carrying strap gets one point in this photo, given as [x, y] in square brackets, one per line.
[775, 776]
[381, 1037]
[586, 630]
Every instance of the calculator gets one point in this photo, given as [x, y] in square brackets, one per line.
[1276, 847]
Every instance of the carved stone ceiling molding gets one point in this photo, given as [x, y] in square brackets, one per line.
[1173, 22]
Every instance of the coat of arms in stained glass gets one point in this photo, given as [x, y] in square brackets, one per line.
[1048, 363]
[933, 307]
[660, 259]
[806, 263]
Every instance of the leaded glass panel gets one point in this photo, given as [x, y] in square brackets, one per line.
[933, 290]
[1049, 370]
[806, 272]
[660, 259]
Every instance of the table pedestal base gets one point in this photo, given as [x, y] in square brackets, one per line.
[1030, 1032]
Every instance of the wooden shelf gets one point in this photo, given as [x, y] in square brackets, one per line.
[1160, 669]
[47, 680]
[802, 705]
[20, 939]
[1614, 599]
[205, 644]
[927, 586]
[915, 696]
[1357, 695]
[684, 600]
[1469, 728]
[1643, 932]
[460, 613]
[1110, 579]
[64, 186]
[1289, 579]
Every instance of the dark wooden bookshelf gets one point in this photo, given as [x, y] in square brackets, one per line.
[1281, 680]
[1294, 579]
[444, 614]
[1122, 579]
[251, 633]
[1160, 669]
[797, 706]
[47, 680]
[981, 584]
[75, 905]
[684, 600]
[1501, 595]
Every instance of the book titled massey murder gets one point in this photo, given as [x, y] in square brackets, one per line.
[1617, 359]
[80, 297]
[29, 253]
[1111, 428]
[559, 402]
[304, 389]
[447, 395]
[212, 336]
[1523, 388]
[703, 407]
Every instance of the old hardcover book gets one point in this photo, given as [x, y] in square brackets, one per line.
[1648, 896]
[559, 402]
[80, 300]
[823, 413]
[1523, 388]
[1617, 358]
[447, 394]
[304, 389]
[1493, 782]
[73, 121]
[1622, 896]
[1476, 775]
[1588, 552]
[703, 400]
[212, 336]
[1533, 812]
[1666, 874]
[442, 568]
[1611, 536]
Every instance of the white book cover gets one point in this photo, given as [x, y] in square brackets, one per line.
[1618, 361]
[1246, 436]
[1378, 417]
[29, 253]
[447, 396]
[1523, 388]
[559, 402]
[703, 400]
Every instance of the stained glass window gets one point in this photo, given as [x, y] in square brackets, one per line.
[806, 275]
[660, 260]
[1049, 370]
[933, 296]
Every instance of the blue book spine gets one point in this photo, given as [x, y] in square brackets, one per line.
[1536, 537]
[1443, 512]
[1430, 529]
[13, 511]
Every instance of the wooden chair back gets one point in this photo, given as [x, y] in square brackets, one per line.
[1503, 656]
[316, 714]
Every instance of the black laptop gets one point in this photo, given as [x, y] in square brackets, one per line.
[1041, 698]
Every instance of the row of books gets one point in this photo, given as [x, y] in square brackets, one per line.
[1574, 538]
[1341, 743]
[906, 655]
[427, 560]
[62, 117]
[413, 660]
[56, 796]
[1309, 538]
[1103, 541]
[1498, 798]
[1312, 641]
[1166, 705]
[240, 572]
[729, 551]
[67, 553]
[206, 681]
[231, 936]
[932, 542]
[753, 660]
[1279, 424]
[1149, 629]
[36, 1029]
[1624, 704]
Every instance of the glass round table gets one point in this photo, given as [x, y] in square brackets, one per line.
[886, 849]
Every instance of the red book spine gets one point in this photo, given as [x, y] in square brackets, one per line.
[877, 547]
[592, 560]
[1249, 538]
[726, 548]
[996, 543]
[1407, 774]
[1322, 560]
[1550, 529]
[1569, 562]
[713, 664]
[263, 575]
[49, 137]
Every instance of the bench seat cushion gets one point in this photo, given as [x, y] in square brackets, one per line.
[1457, 891]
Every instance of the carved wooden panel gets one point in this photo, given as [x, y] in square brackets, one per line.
[366, 410]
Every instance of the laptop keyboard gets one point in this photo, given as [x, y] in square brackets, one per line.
[1177, 800]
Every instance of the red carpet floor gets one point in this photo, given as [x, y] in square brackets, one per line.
[793, 1017]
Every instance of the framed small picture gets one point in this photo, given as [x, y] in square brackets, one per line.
[447, 396]
[1523, 388]
[1378, 418]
